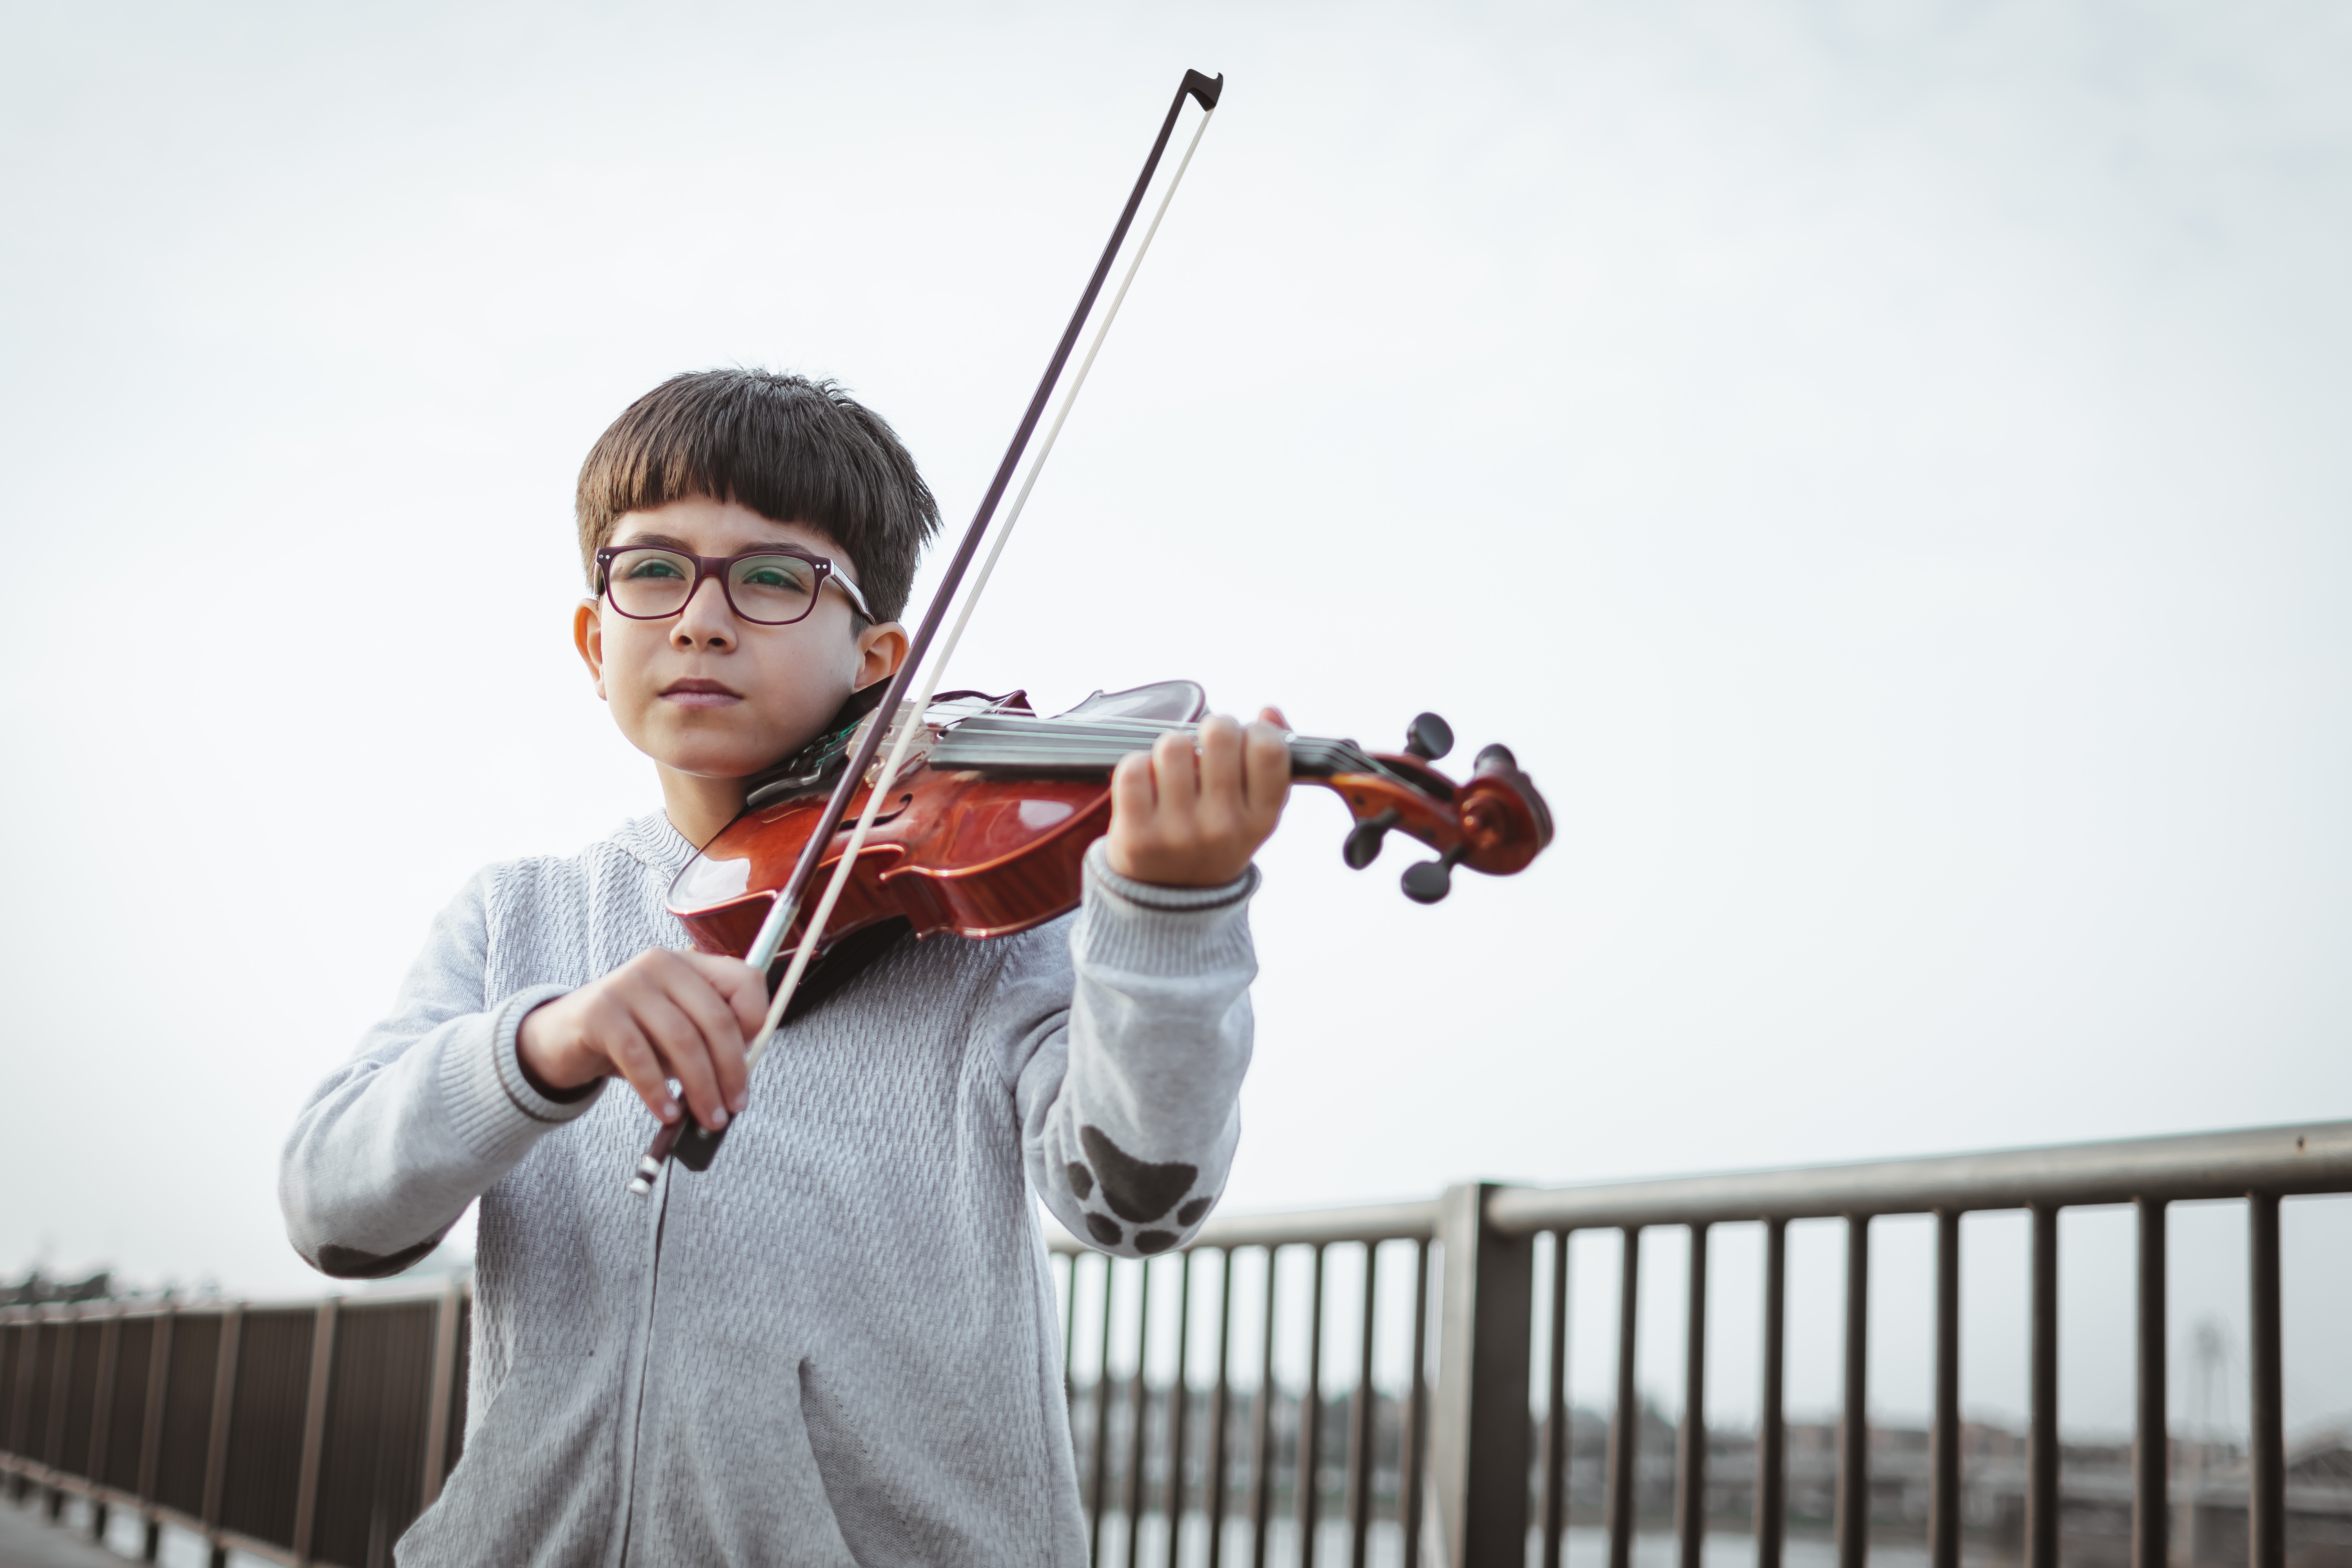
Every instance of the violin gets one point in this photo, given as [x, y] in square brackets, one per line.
[976, 819]
[987, 820]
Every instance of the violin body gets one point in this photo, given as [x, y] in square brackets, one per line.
[986, 833]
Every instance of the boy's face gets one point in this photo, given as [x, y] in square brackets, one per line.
[714, 697]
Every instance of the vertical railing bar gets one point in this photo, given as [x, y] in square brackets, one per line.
[2266, 1478]
[68, 1320]
[2152, 1438]
[1558, 1434]
[1771, 1426]
[1944, 1443]
[1692, 1522]
[1099, 1441]
[223, 1403]
[1308, 1487]
[1070, 1332]
[1262, 1463]
[151, 1437]
[1221, 1421]
[1138, 1429]
[101, 1419]
[20, 1402]
[1070, 1352]
[2041, 1431]
[20, 1407]
[314, 1427]
[1411, 1485]
[1180, 1406]
[29, 1442]
[1625, 1426]
[1363, 1443]
[1854, 1427]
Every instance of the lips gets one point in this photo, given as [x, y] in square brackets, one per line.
[699, 692]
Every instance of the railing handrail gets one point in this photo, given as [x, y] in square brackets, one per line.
[1285, 1227]
[202, 1305]
[2308, 1157]
[2279, 1161]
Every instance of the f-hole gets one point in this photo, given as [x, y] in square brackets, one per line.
[890, 815]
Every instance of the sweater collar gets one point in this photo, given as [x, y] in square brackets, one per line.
[652, 839]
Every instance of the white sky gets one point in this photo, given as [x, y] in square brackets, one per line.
[1880, 465]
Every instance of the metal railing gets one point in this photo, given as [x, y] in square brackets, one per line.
[1494, 1460]
[315, 1432]
[300, 1432]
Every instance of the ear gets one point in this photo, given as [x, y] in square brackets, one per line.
[588, 637]
[881, 649]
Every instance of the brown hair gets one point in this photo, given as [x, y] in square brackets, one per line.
[792, 449]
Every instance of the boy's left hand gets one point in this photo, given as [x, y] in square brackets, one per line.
[1183, 815]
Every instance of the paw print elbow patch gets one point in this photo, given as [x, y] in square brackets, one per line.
[1104, 1230]
[1135, 1189]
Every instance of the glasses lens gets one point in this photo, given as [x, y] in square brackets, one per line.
[773, 589]
[649, 582]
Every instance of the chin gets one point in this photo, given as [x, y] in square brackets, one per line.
[704, 765]
[710, 756]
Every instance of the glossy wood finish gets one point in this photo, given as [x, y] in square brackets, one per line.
[976, 855]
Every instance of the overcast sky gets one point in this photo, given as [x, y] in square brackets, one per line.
[1882, 466]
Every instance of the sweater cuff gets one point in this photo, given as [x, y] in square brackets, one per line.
[1152, 930]
[492, 1105]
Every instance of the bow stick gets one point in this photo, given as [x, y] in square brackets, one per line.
[894, 716]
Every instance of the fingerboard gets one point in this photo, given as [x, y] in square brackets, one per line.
[991, 741]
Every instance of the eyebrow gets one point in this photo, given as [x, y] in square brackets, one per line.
[672, 541]
[654, 541]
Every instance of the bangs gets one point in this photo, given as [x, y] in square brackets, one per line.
[792, 449]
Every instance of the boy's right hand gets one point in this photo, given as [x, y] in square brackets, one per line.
[664, 1014]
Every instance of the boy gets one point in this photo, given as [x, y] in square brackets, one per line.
[838, 1345]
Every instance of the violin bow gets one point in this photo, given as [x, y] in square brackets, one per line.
[891, 713]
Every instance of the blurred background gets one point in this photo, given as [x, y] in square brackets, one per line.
[1880, 465]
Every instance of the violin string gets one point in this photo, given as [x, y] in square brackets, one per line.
[909, 718]
[982, 742]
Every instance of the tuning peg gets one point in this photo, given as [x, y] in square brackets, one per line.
[1432, 880]
[1428, 737]
[1363, 845]
[1497, 759]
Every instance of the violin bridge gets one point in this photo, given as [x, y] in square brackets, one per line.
[917, 750]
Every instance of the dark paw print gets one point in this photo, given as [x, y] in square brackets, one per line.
[1104, 1230]
[1191, 1214]
[1147, 1242]
[1082, 1181]
[1135, 1189]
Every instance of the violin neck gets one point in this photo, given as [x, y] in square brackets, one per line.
[1006, 743]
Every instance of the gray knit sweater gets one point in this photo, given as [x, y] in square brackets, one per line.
[839, 1344]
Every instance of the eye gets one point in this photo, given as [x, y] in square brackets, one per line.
[775, 575]
[650, 568]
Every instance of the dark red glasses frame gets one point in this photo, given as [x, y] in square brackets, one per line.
[719, 566]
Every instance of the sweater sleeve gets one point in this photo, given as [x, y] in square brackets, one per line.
[429, 1112]
[1130, 1102]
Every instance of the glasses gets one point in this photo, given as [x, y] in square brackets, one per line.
[771, 586]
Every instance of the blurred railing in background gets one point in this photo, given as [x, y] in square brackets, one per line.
[1214, 1422]
[306, 1432]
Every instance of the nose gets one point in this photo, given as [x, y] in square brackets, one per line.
[706, 622]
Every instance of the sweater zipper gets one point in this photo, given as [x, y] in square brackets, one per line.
[645, 1366]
